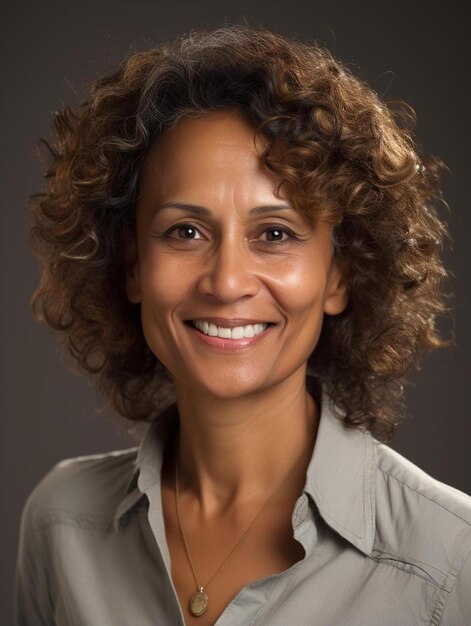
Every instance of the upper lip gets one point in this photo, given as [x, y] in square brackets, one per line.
[229, 323]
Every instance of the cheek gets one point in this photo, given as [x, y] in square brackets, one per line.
[162, 291]
[163, 282]
[301, 285]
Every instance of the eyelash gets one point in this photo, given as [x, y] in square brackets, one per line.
[169, 231]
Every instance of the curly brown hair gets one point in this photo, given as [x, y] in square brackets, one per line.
[346, 157]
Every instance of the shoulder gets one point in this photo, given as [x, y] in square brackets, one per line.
[399, 475]
[81, 488]
[420, 520]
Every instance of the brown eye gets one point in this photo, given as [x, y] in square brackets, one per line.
[184, 231]
[275, 234]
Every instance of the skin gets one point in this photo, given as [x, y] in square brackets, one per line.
[247, 422]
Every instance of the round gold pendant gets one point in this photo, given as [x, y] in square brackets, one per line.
[199, 602]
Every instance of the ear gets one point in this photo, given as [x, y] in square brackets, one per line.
[336, 298]
[131, 269]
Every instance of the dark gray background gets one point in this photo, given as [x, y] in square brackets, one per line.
[417, 51]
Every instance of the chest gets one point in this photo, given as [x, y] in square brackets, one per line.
[267, 548]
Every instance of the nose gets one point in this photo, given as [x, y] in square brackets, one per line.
[229, 273]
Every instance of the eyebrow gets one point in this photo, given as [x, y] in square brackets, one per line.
[201, 210]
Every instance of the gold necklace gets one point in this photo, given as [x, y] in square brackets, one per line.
[199, 600]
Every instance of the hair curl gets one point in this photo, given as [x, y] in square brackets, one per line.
[345, 156]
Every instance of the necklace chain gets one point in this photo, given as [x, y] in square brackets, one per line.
[201, 587]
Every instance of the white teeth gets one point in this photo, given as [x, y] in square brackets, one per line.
[229, 333]
[237, 332]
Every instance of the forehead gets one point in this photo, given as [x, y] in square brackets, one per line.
[215, 147]
[210, 127]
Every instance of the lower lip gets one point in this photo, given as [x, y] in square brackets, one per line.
[228, 345]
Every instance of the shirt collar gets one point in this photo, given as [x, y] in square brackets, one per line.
[340, 477]
[147, 466]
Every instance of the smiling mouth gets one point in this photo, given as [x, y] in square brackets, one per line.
[238, 332]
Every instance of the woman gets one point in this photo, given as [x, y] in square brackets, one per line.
[239, 241]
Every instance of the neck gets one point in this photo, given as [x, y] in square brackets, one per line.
[235, 452]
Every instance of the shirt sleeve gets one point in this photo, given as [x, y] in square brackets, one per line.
[457, 610]
[32, 605]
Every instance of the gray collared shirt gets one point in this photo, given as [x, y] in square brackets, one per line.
[385, 543]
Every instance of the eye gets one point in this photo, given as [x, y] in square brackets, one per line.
[181, 230]
[276, 234]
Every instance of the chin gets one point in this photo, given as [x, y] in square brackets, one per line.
[224, 385]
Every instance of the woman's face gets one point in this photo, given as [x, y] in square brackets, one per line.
[215, 244]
